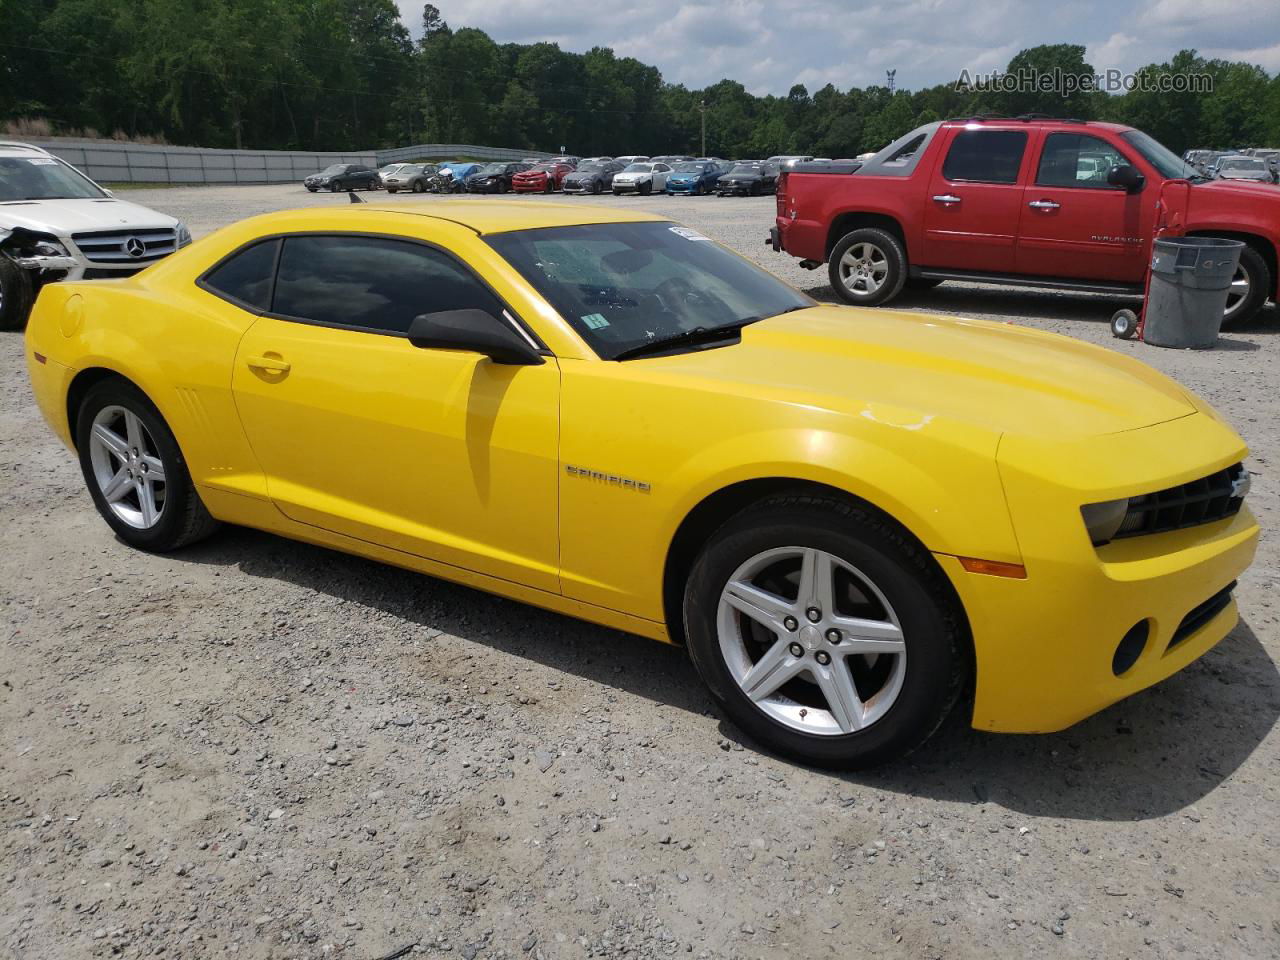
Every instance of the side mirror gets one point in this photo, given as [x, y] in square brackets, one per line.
[475, 330]
[1127, 176]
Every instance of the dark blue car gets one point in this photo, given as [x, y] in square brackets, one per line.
[695, 177]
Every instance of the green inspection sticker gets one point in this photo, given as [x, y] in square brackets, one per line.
[595, 321]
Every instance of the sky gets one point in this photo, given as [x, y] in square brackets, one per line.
[769, 46]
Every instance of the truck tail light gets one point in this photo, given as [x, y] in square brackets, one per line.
[780, 194]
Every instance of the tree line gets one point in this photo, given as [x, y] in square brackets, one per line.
[346, 74]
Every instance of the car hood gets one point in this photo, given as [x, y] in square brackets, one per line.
[581, 176]
[65, 217]
[1252, 189]
[909, 370]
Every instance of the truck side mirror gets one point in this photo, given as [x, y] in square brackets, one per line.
[1127, 176]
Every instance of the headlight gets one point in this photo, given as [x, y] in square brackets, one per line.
[49, 248]
[184, 235]
[1103, 520]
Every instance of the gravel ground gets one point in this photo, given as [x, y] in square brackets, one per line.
[262, 748]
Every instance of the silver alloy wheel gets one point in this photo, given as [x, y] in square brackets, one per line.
[1238, 293]
[863, 269]
[808, 661]
[127, 467]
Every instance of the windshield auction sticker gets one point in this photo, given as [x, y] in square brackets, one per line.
[688, 234]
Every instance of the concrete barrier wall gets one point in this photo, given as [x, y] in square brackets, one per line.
[110, 162]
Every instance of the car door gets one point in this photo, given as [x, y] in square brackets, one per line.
[437, 453]
[973, 201]
[1075, 224]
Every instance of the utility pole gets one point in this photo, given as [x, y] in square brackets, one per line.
[892, 77]
[702, 106]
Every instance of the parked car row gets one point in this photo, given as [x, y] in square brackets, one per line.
[1262, 165]
[697, 176]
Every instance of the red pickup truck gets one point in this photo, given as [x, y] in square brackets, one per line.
[1062, 204]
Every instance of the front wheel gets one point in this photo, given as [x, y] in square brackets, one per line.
[135, 472]
[418, 187]
[596, 187]
[646, 189]
[825, 631]
[15, 295]
[1250, 288]
[335, 187]
[867, 267]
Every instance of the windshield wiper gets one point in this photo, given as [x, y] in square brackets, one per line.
[696, 335]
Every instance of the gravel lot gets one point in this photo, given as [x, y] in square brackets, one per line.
[262, 748]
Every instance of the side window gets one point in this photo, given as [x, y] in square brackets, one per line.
[985, 156]
[1076, 160]
[245, 279]
[372, 283]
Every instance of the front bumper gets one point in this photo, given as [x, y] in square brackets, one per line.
[620, 186]
[682, 187]
[529, 186]
[1046, 646]
[487, 186]
[576, 186]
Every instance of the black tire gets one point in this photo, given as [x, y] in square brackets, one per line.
[183, 518]
[16, 295]
[933, 625]
[550, 186]
[418, 187]
[1260, 280]
[391, 190]
[920, 283]
[646, 188]
[335, 187]
[1124, 324]
[596, 187]
[894, 256]
[700, 190]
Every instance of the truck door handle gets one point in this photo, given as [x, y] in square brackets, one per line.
[1044, 205]
[947, 198]
[270, 363]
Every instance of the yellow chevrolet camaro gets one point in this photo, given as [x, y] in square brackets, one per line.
[852, 518]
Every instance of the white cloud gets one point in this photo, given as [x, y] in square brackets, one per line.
[769, 47]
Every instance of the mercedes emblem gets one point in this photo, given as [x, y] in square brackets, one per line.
[134, 247]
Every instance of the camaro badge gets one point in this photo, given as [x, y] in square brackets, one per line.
[610, 478]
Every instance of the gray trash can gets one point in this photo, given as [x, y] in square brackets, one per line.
[1190, 278]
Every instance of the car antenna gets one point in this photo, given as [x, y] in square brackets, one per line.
[354, 198]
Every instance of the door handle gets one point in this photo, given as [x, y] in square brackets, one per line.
[1044, 205]
[269, 364]
[947, 198]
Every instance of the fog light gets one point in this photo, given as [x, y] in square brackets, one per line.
[1130, 647]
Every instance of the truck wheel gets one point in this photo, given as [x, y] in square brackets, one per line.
[824, 632]
[15, 295]
[867, 267]
[1249, 289]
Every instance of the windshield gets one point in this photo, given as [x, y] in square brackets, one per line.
[334, 168]
[1243, 163]
[491, 168]
[543, 168]
[1159, 156]
[591, 168]
[621, 285]
[392, 168]
[43, 178]
[638, 168]
[688, 168]
[746, 168]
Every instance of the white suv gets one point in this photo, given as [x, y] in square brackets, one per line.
[57, 224]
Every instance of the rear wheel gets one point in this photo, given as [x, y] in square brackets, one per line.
[15, 295]
[825, 632]
[1250, 288]
[135, 471]
[867, 267]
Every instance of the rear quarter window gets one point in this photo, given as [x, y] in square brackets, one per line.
[245, 278]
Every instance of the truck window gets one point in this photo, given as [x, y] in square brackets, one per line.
[985, 156]
[1076, 160]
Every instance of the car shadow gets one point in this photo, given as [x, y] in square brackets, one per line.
[1021, 303]
[1155, 753]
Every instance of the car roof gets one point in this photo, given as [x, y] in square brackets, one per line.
[484, 216]
[14, 147]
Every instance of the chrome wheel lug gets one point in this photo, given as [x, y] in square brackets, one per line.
[796, 650]
[791, 623]
[833, 635]
[814, 614]
[822, 657]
